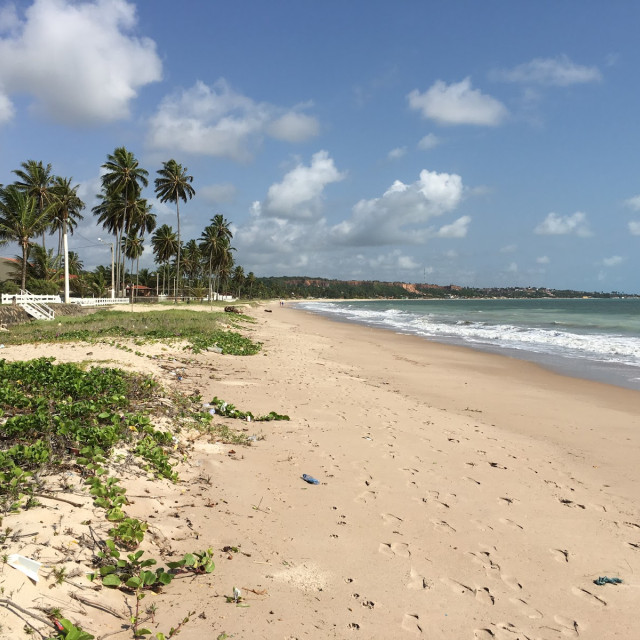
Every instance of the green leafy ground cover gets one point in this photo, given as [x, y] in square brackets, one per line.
[200, 330]
[61, 418]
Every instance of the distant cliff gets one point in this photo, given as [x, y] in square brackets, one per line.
[305, 287]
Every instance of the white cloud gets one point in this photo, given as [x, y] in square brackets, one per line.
[397, 153]
[216, 120]
[6, 109]
[457, 229]
[554, 224]
[79, 62]
[543, 260]
[612, 261]
[633, 203]
[509, 248]
[216, 193]
[430, 141]
[294, 127]
[559, 71]
[299, 195]
[401, 213]
[458, 103]
[634, 227]
[512, 268]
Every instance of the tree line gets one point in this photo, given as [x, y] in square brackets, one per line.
[40, 204]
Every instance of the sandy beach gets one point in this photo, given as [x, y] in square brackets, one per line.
[461, 495]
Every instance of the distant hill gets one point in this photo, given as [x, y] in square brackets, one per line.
[305, 287]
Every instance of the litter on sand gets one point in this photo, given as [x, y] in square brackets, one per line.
[28, 566]
[606, 580]
[309, 479]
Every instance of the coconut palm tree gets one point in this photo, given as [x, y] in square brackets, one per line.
[173, 185]
[36, 180]
[225, 265]
[165, 245]
[192, 261]
[20, 220]
[65, 207]
[122, 183]
[132, 248]
[238, 279]
[251, 280]
[214, 241]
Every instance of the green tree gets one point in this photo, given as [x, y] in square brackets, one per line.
[20, 220]
[132, 248]
[214, 243]
[66, 207]
[251, 280]
[165, 246]
[238, 279]
[172, 185]
[192, 261]
[122, 183]
[36, 180]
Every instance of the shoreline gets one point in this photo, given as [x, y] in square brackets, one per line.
[461, 494]
[612, 373]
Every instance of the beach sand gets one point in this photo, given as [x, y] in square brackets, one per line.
[461, 495]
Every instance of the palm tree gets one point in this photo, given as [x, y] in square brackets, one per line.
[66, 207]
[122, 183]
[225, 265]
[251, 279]
[192, 260]
[173, 185]
[42, 264]
[165, 245]
[20, 220]
[37, 181]
[132, 248]
[214, 241]
[238, 279]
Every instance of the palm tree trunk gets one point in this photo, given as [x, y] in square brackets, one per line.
[25, 255]
[179, 243]
[65, 248]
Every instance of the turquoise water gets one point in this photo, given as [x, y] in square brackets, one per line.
[591, 338]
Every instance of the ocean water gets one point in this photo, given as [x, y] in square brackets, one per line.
[597, 339]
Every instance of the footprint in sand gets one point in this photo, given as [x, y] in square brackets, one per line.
[587, 595]
[484, 558]
[393, 549]
[526, 608]
[560, 555]
[568, 626]
[367, 497]
[483, 634]
[411, 623]
[418, 581]
[389, 518]
[511, 582]
[441, 525]
[481, 593]
[511, 523]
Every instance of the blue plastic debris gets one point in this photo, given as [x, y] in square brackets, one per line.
[605, 580]
[309, 479]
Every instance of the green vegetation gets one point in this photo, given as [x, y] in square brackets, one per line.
[303, 287]
[229, 411]
[60, 417]
[200, 330]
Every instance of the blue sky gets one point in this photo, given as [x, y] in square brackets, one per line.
[477, 143]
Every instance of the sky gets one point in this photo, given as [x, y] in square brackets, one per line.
[473, 143]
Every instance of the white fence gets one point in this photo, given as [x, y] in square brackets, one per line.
[21, 298]
[98, 302]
